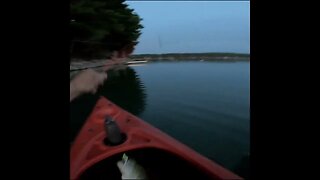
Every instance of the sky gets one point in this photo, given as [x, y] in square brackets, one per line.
[193, 27]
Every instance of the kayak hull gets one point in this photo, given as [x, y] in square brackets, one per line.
[89, 147]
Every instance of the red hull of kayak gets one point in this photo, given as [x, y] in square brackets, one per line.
[89, 148]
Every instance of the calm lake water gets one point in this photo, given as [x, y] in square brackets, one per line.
[205, 105]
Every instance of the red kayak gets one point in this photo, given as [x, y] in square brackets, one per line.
[111, 131]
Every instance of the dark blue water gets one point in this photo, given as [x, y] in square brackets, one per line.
[205, 105]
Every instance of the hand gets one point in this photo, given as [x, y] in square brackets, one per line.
[131, 170]
[87, 81]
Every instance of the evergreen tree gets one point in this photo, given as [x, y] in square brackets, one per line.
[99, 27]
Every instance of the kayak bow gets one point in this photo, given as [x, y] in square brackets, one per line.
[91, 149]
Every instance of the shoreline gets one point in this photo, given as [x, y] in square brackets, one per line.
[209, 59]
[191, 56]
[78, 65]
[99, 64]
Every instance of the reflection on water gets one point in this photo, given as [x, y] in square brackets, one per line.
[123, 87]
[204, 105]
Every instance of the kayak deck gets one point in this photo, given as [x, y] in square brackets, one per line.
[162, 156]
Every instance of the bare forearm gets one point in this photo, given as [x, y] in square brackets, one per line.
[87, 81]
[73, 92]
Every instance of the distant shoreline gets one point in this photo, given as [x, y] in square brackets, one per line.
[191, 56]
[180, 56]
[81, 64]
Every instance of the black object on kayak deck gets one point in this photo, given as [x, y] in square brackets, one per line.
[114, 135]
